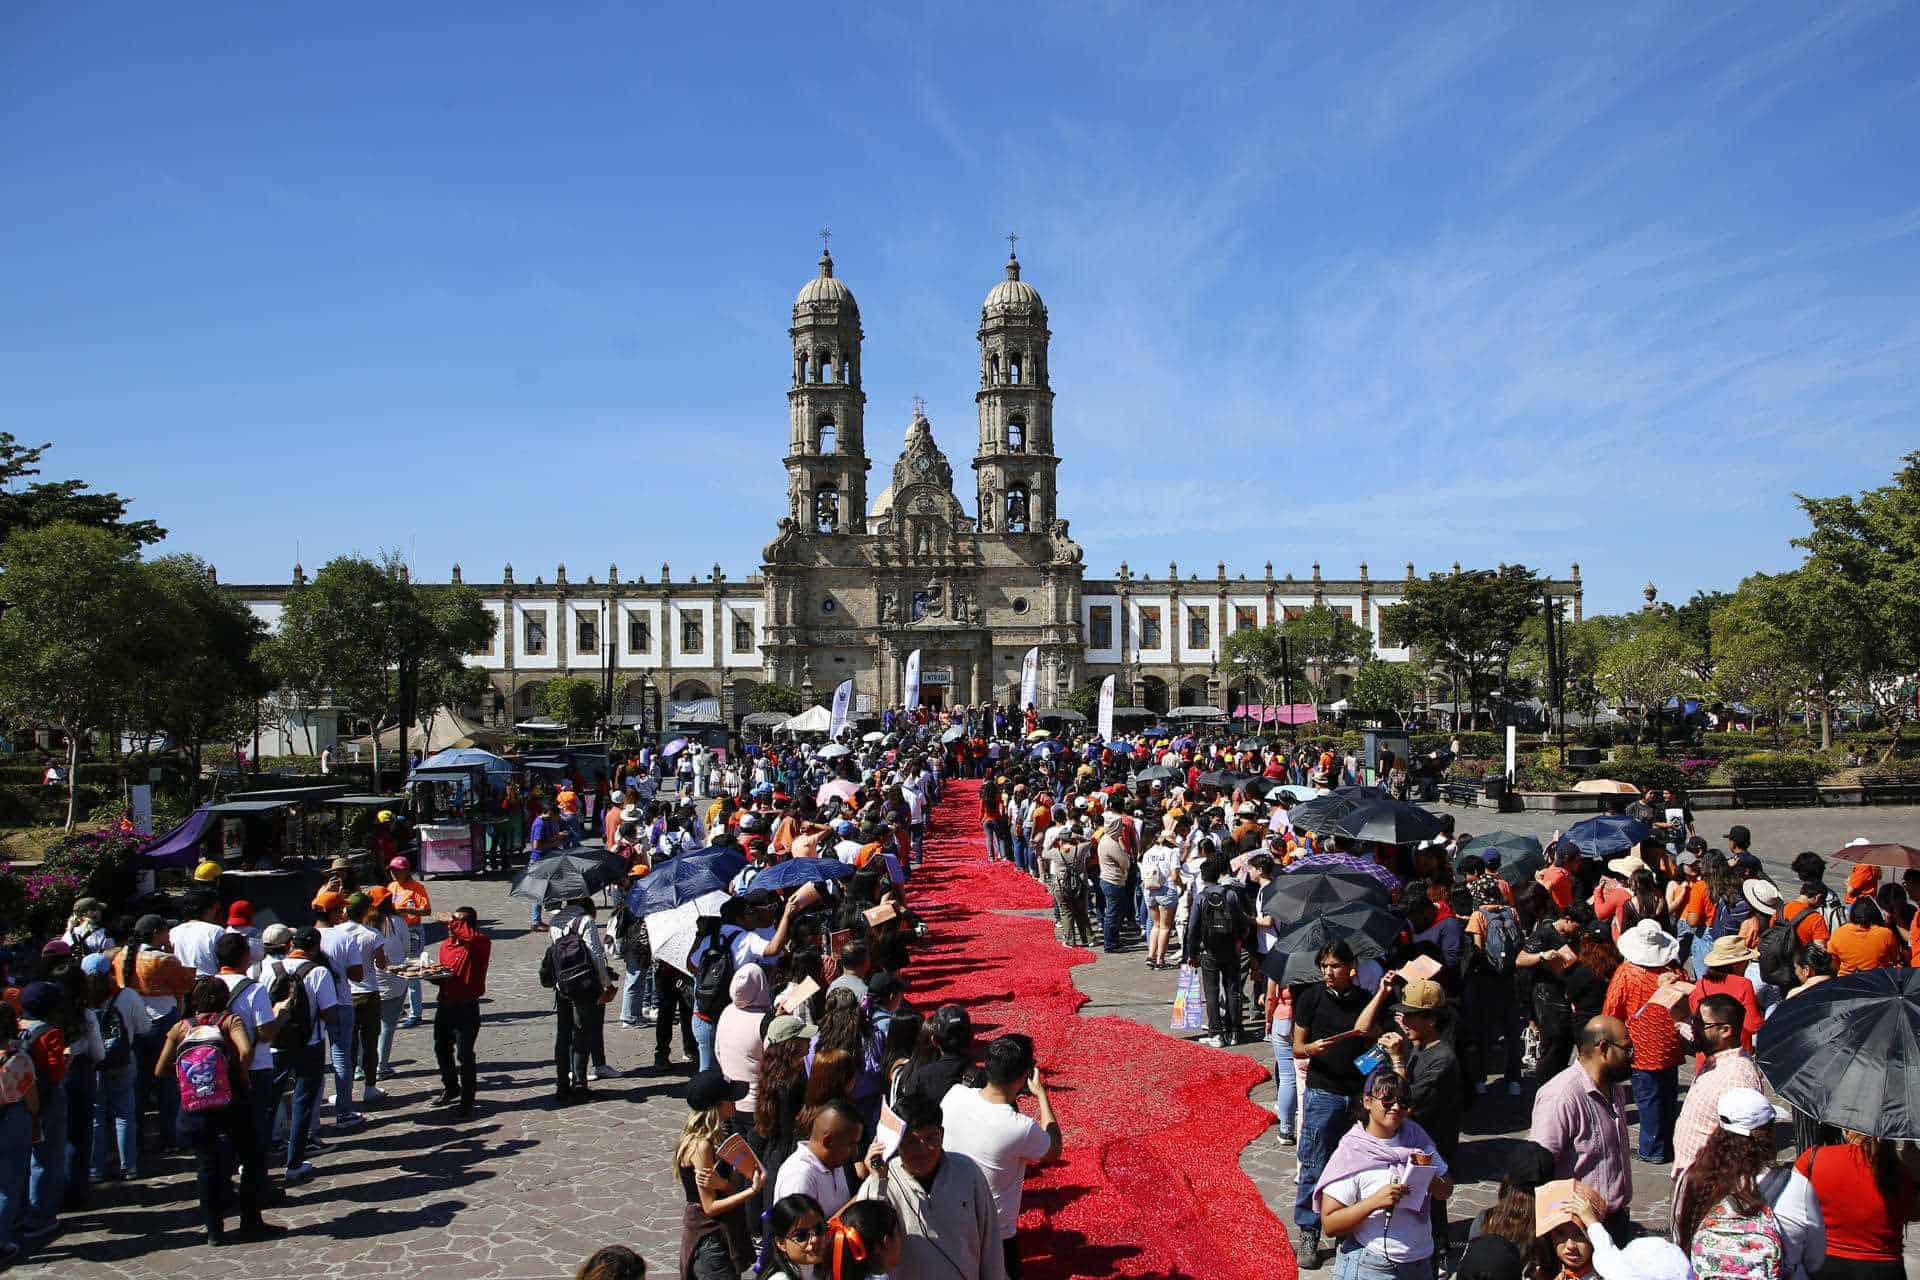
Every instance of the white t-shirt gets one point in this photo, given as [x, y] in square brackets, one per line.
[1404, 1236]
[394, 940]
[802, 1172]
[362, 942]
[336, 944]
[133, 1011]
[313, 976]
[193, 945]
[253, 1007]
[1000, 1140]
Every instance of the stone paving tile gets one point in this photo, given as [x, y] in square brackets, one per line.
[523, 1192]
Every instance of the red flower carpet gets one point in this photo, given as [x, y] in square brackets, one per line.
[1149, 1183]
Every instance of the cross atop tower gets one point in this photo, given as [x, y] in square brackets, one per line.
[1012, 243]
[826, 237]
[919, 406]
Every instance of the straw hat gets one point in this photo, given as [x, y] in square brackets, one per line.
[1762, 895]
[1730, 950]
[1626, 865]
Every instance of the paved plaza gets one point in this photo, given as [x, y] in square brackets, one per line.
[525, 1191]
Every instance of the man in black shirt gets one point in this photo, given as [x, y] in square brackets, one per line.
[1333, 1024]
[953, 1032]
[1216, 926]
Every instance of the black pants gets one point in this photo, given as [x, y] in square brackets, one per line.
[366, 1034]
[575, 1024]
[673, 1008]
[1010, 1250]
[456, 1025]
[219, 1140]
[1556, 1042]
[1220, 981]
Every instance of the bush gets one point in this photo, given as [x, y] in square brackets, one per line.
[1775, 768]
[37, 900]
[35, 805]
[1644, 773]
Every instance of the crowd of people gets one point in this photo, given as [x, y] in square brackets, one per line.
[837, 1130]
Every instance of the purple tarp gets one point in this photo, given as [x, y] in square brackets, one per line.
[177, 847]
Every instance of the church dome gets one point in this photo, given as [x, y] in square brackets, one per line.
[1013, 293]
[825, 290]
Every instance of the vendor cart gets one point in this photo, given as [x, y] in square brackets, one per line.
[450, 806]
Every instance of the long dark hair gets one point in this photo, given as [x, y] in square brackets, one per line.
[1725, 1170]
[1510, 1216]
[845, 1025]
[780, 1066]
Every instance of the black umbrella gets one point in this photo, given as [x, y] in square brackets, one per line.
[1292, 899]
[1225, 779]
[1357, 792]
[1519, 869]
[1262, 787]
[1388, 822]
[1157, 773]
[1848, 1052]
[561, 877]
[1362, 926]
[1508, 844]
[1319, 814]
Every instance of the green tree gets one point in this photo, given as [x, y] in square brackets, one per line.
[210, 686]
[1649, 667]
[1382, 689]
[1467, 625]
[1864, 555]
[773, 696]
[1695, 620]
[1319, 640]
[1085, 700]
[75, 643]
[1757, 660]
[46, 502]
[574, 701]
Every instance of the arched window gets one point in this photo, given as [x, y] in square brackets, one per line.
[826, 507]
[1013, 368]
[1017, 509]
[829, 372]
[829, 436]
[1017, 435]
[993, 370]
[799, 367]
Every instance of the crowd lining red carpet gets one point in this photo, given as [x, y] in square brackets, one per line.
[1150, 1182]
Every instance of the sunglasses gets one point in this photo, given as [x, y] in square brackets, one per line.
[801, 1235]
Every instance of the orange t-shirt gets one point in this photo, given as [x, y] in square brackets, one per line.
[1696, 903]
[1855, 947]
[1558, 882]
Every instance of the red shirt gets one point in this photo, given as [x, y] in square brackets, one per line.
[465, 953]
[1656, 1045]
[1861, 1225]
[1740, 989]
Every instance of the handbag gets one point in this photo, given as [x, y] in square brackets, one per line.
[1189, 1003]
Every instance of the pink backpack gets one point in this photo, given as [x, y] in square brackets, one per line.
[204, 1068]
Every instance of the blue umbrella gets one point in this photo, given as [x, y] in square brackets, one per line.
[1608, 833]
[685, 878]
[674, 748]
[458, 756]
[795, 872]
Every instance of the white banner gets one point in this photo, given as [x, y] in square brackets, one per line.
[1030, 678]
[842, 703]
[913, 681]
[142, 808]
[1106, 709]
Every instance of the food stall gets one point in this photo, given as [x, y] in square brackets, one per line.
[450, 805]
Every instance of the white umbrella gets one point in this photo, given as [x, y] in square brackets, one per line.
[834, 751]
[838, 789]
[671, 933]
[875, 736]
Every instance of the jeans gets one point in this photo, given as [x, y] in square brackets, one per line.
[47, 1176]
[703, 1031]
[116, 1123]
[573, 1039]
[301, 1069]
[1656, 1094]
[456, 1025]
[83, 1078]
[993, 841]
[917, 832]
[416, 943]
[390, 1011]
[215, 1169]
[1113, 901]
[265, 1085]
[1358, 1264]
[1285, 1079]
[16, 1159]
[1326, 1119]
[339, 1024]
[635, 993]
[366, 1035]
[1220, 982]
[149, 1089]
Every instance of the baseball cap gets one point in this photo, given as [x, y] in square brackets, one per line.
[96, 963]
[239, 914]
[1421, 995]
[1530, 1166]
[276, 936]
[1746, 1112]
[787, 1027]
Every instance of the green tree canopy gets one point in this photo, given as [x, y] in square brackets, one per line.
[574, 701]
[773, 696]
[210, 686]
[1467, 625]
[1318, 640]
[45, 502]
[1652, 665]
[1383, 690]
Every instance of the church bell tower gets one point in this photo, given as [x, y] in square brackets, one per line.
[1015, 464]
[826, 447]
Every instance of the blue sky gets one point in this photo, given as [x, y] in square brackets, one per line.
[495, 282]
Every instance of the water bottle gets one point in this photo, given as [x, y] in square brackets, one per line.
[1370, 1061]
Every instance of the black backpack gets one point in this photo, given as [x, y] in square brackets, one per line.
[713, 976]
[296, 1025]
[1219, 922]
[568, 966]
[114, 1035]
[1777, 947]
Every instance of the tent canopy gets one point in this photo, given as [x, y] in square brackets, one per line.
[467, 757]
[176, 848]
[812, 720]
[442, 729]
[765, 719]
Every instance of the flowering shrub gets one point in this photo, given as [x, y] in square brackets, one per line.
[1698, 770]
[36, 900]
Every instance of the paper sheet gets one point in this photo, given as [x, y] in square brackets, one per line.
[1417, 1177]
[737, 1153]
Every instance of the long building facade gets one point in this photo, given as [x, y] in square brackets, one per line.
[851, 583]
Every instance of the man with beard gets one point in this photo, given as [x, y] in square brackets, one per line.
[1580, 1115]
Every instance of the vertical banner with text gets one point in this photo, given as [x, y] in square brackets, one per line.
[913, 681]
[1030, 678]
[842, 704]
[1106, 709]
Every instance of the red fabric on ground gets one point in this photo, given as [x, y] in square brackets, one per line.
[1149, 1183]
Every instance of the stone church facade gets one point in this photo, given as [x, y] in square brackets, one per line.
[851, 584]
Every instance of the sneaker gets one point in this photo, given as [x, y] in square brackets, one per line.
[1212, 1042]
[594, 1073]
[373, 1093]
[1308, 1249]
[444, 1098]
[408, 1021]
[351, 1120]
[298, 1174]
[1286, 1139]
[260, 1231]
